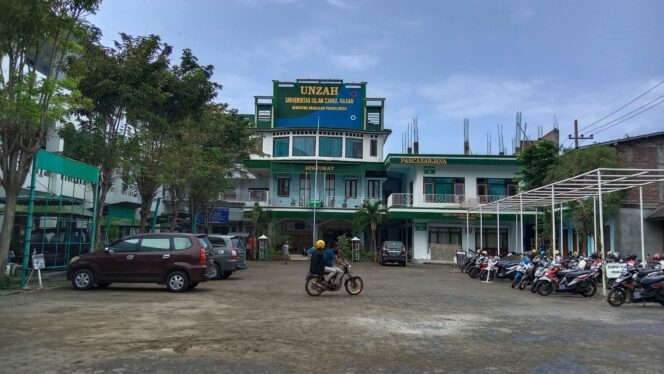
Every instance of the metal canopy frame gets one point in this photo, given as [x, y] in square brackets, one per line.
[593, 184]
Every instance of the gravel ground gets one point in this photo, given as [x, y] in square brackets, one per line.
[416, 319]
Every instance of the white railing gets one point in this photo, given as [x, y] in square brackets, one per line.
[400, 200]
[444, 199]
[262, 197]
[406, 200]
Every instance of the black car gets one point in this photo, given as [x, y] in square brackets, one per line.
[392, 251]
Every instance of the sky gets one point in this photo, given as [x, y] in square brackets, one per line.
[437, 61]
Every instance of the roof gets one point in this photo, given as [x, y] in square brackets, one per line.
[582, 186]
[628, 139]
[658, 214]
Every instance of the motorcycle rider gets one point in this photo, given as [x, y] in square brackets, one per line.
[330, 261]
[317, 265]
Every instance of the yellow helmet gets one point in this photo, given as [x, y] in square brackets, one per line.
[320, 244]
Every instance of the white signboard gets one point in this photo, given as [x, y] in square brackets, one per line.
[38, 262]
[613, 270]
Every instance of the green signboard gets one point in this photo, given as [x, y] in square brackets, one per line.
[420, 227]
[314, 203]
[326, 103]
[429, 170]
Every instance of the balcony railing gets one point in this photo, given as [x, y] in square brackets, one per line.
[406, 200]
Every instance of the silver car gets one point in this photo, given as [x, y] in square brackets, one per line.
[235, 247]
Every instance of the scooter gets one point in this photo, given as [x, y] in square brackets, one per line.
[635, 286]
[574, 281]
[523, 268]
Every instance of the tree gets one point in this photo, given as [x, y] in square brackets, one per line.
[537, 160]
[370, 215]
[112, 82]
[31, 101]
[577, 161]
[186, 91]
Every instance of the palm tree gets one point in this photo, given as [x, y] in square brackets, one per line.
[259, 221]
[370, 214]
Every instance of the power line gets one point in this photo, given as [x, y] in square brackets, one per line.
[586, 128]
[604, 126]
[632, 116]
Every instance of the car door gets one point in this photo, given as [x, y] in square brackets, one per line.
[154, 258]
[114, 264]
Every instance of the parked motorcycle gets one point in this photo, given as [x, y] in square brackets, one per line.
[316, 284]
[522, 269]
[573, 281]
[500, 269]
[634, 285]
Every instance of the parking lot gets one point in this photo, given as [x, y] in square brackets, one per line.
[408, 320]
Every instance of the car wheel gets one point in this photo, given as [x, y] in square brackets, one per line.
[216, 272]
[177, 281]
[103, 285]
[193, 285]
[225, 274]
[83, 279]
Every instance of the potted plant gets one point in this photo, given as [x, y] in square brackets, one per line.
[345, 203]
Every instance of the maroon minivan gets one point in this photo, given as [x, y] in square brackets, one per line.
[178, 260]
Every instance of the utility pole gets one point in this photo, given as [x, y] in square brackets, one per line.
[576, 136]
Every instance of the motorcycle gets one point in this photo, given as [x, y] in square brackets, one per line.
[500, 269]
[315, 284]
[634, 285]
[573, 281]
[522, 269]
[480, 263]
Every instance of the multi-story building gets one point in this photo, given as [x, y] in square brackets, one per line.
[322, 143]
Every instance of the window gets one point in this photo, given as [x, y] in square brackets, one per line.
[445, 235]
[155, 244]
[442, 190]
[304, 189]
[180, 243]
[373, 149]
[489, 239]
[330, 146]
[124, 246]
[373, 189]
[353, 148]
[511, 189]
[217, 242]
[280, 147]
[329, 185]
[283, 187]
[351, 188]
[304, 146]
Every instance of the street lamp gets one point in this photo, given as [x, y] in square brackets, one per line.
[262, 247]
[355, 248]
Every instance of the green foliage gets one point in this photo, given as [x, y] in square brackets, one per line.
[345, 246]
[370, 215]
[537, 160]
[577, 161]
[31, 33]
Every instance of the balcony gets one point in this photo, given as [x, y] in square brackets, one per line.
[406, 200]
[327, 202]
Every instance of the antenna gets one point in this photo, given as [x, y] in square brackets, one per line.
[416, 146]
[488, 143]
[410, 149]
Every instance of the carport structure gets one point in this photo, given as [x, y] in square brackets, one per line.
[590, 185]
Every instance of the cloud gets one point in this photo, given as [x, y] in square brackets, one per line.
[339, 3]
[355, 61]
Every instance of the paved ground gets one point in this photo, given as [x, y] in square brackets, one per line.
[408, 320]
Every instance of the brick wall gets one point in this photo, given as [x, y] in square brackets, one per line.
[646, 153]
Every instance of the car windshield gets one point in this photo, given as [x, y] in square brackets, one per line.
[206, 242]
[393, 245]
[237, 243]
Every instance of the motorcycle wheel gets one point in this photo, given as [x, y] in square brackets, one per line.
[616, 297]
[535, 286]
[354, 285]
[545, 289]
[523, 283]
[312, 288]
[474, 273]
[515, 282]
[590, 291]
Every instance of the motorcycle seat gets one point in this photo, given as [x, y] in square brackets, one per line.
[642, 273]
[652, 280]
[576, 273]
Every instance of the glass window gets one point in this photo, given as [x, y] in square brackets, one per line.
[330, 146]
[304, 189]
[180, 243]
[304, 146]
[373, 189]
[445, 235]
[329, 185]
[490, 242]
[351, 188]
[124, 246]
[280, 147]
[353, 148]
[238, 243]
[217, 242]
[155, 244]
[283, 187]
[373, 149]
